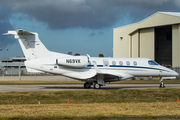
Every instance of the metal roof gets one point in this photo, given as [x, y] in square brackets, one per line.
[177, 14]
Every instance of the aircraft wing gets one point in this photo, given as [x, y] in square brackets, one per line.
[112, 76]
[109, 76]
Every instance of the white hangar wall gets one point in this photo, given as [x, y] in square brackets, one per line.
[176, 45]
[139, 39]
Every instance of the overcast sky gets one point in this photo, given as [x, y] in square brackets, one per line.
[77, 26]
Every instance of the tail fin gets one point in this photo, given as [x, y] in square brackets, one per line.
[32, 47]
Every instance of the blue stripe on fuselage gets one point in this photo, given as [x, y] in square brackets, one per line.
[130, 67]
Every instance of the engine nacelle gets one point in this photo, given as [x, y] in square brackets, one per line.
[73, 61]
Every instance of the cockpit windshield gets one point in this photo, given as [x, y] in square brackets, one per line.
[151, 62]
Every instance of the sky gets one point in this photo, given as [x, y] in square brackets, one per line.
[77, 26]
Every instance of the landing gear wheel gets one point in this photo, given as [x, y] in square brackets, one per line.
[87, 85]
[97, 86]
[162, 85]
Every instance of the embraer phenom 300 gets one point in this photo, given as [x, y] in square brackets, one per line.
[91, 70]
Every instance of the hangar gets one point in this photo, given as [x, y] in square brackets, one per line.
[156, 37]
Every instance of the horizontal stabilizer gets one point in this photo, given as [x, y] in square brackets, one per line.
[10, 33]
[20, 32]
[23, 32]
[32, 47]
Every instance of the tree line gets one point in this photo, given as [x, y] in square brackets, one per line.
[100, 55]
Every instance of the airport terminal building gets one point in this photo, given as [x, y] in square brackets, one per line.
[12, 66]
[156, 37]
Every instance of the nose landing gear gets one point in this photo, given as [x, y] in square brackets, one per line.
[161, 84]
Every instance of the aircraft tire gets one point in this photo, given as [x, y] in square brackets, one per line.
[162, 86]
[87, 85]
[97, 86]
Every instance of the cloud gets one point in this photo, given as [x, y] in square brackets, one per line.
[93, 14]
[89, 14]
[98, 33]
[177, 2]
[5, 25]
[92, 34]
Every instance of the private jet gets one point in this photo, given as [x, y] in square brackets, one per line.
[94, 71]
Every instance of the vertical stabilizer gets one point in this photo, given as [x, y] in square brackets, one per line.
[32, 47]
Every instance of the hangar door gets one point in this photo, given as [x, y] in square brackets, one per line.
[163, 45]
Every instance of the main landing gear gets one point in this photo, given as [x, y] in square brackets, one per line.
[88, 85]
[162, 84]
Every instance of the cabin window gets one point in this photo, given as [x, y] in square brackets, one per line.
[105, 63]
[113, 63]
[127, 63]
[135, 63]
[151, 62]
[120, 63]
[55, 66]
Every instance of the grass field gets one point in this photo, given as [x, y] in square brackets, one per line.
[92, 110]
[92, 96]
[80, 82]
[96, 104]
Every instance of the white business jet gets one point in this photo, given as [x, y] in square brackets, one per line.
[91, 70]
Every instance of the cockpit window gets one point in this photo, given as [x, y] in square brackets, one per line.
[151, 62]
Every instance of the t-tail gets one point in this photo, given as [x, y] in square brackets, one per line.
[32, 47]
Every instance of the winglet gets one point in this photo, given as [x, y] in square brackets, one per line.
[96, 68]
[100, 75]
[88, 56]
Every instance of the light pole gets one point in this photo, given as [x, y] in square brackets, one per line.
[7, 53]
[1, 61]
[7, 59]
[19, 72]
[1, 53]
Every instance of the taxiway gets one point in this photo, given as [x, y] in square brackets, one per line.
[34, 88]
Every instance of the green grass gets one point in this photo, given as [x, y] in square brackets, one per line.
[91, 104]
[39, 82]
[91, 111]
[93, 96]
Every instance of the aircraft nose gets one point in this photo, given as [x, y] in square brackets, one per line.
[175, 73]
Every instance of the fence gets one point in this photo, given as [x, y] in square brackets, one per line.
[34, 77]
[177, 69]
[13, 71]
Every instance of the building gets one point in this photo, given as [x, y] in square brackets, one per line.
[156, 37]
[13, 66]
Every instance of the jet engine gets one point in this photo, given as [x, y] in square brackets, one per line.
[73, 61]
